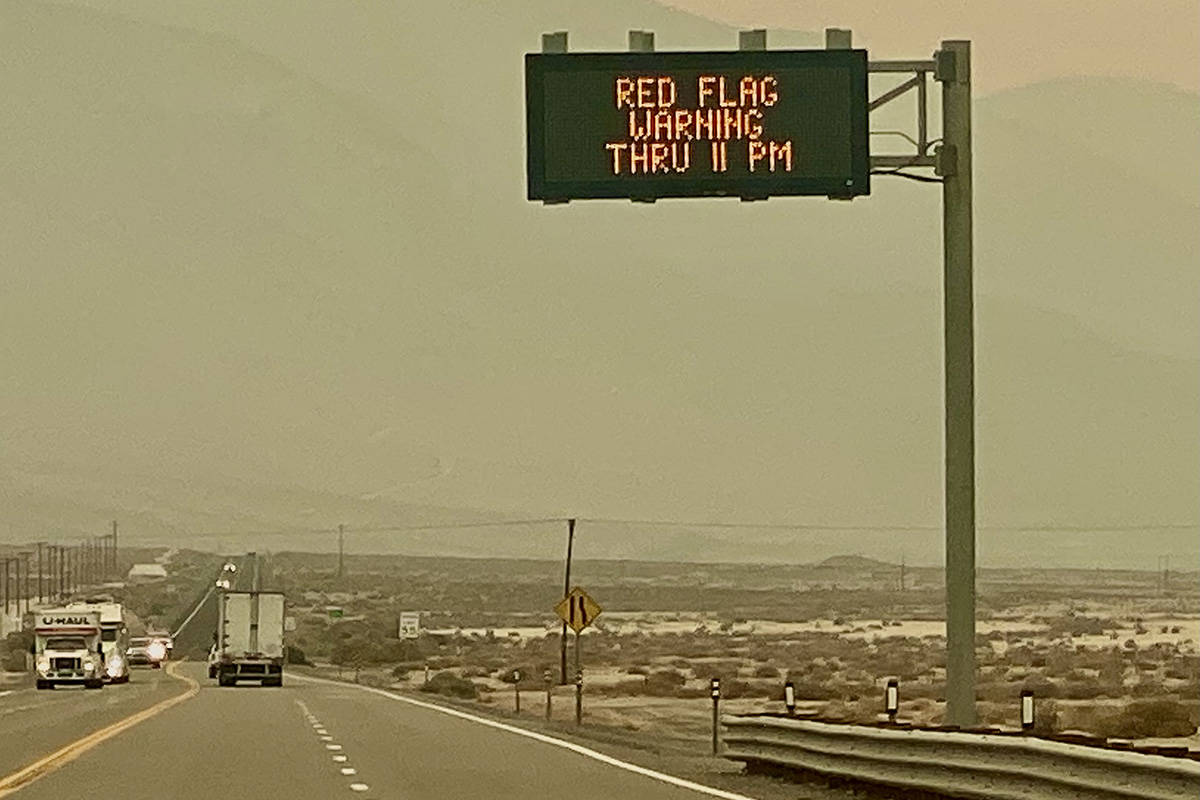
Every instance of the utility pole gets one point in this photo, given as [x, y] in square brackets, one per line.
[5, 586]
[566, 591]
[114, 547]
[17, 565]
[953, 70]
[901, 572]
[28, 594]
[341, 570]
[41, 570]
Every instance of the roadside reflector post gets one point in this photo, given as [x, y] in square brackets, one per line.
[579, 697]
[426, 673]
[789, 697]
[891, 699]
[548, 677]
[716, 698]
[1027, 711]
[517, 689]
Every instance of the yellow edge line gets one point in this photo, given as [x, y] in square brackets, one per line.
[44, 766]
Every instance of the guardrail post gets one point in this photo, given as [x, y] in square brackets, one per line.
[716, 698]
[578, 696]
[891, 699]
[789, 697]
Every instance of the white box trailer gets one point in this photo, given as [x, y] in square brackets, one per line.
[67, 648]
[249, 638]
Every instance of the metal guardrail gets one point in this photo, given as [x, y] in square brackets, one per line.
[958, 763]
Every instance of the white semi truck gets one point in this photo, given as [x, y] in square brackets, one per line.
[67, 648]
[249, 644]
[114, 634]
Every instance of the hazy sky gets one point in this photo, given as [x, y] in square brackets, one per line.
[264, 268]
[1017, 41]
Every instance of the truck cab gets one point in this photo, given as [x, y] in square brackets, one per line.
[67, 648]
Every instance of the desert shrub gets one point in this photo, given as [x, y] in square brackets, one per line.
[1083, 689]
[449, 684]
[637, 669]
[732, 689]
[807, 688]
[295, 655]
[529, 674]
[400, 672]
[1151, 718]
[766, 671]
[664, 683]
[1045, 718]
[476, 671]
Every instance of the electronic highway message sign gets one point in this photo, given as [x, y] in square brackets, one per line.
[697, 124]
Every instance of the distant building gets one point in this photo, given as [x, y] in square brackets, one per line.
[140, 573]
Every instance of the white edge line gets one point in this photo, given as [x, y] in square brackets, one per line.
[6, 693]
[541, 737]
[195, 611]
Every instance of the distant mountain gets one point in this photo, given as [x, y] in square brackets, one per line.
[858, 563]
[264, 275]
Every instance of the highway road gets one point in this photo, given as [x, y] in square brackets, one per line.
[175, 733]
[307, 739]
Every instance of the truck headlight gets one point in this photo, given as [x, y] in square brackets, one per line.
[157, 651]
[89, 667]
[114, 666]
[43, 664]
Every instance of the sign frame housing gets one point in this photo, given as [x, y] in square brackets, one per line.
[539, 65]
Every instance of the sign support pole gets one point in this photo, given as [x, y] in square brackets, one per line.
[954, 73]
[566, 591]
[578, 684]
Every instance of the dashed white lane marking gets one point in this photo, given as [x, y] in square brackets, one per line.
[339, 758]
[359, 787]
[349, 771]
[321, 731]
[333, 747]
[325, 738]
[586, 752]
[6, 692]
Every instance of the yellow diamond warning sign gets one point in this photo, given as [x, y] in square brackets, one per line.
[577, 609]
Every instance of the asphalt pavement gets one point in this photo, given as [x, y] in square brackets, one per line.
[310, 739]
[34, 723]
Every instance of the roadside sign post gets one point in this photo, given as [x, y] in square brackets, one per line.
[549, 679]
[756, 124]
[409, 625]
[517, 690]
[570, 522]
[716, 714]
[577, 611]
[1027, 718]
[789, 697]
[578, 690]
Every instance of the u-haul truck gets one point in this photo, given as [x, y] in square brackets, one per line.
[67, 648]
[114, 636]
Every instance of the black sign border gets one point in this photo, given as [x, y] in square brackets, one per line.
[538, 64]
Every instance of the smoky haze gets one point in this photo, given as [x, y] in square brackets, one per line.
[270, 276]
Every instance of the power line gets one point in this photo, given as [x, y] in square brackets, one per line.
[674, 523]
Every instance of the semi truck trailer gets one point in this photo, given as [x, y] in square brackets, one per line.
[249, 644]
